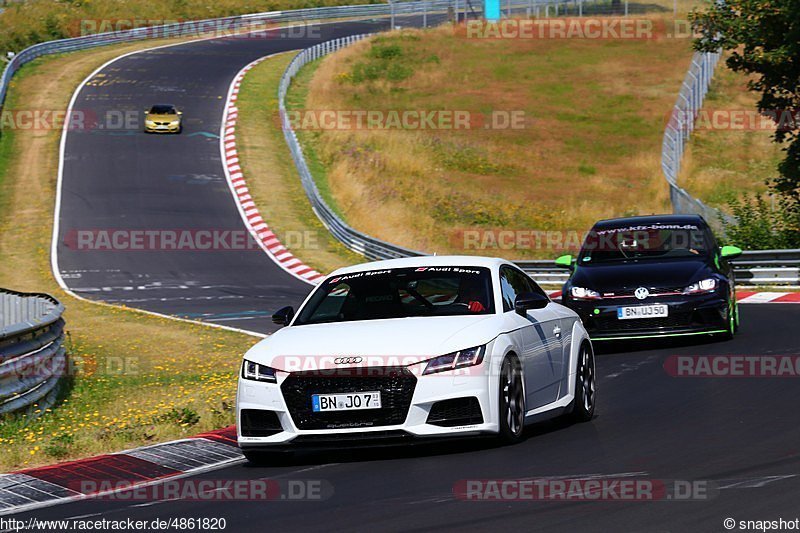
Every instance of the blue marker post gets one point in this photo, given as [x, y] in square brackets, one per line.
[491, 9]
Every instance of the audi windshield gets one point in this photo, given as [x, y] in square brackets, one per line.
[400, 293]
[656, 241]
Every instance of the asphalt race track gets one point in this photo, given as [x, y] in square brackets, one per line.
[119, 178]
[740, 436]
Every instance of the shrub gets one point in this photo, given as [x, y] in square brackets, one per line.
[762, 226]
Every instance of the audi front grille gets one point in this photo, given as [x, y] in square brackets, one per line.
[396, 385]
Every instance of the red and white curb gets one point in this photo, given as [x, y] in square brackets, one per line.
[753, 297]
[241, 194]
[93, 477]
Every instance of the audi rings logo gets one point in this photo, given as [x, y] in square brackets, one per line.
[347, 360]
[641, 293]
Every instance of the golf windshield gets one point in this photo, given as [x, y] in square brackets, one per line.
[399, 293]
[654, 241]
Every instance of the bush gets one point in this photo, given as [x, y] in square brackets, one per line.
[386, 60]
[762, 226]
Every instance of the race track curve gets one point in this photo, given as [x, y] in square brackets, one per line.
[739, 435]
[117, 180]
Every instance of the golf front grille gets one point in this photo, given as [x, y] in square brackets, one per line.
[396, 385]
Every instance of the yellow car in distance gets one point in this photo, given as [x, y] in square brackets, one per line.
[162, 118]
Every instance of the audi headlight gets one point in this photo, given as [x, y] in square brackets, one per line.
[256, 372]
[459, 359]
[706, 285]
[580, 293]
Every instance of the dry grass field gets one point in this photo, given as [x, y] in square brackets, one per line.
[594, 115]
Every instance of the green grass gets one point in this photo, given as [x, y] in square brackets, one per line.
[271, 175]
[589, 149]
[135, 378]
[721, 165]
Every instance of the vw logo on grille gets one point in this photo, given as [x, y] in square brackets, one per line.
[641, 293]
[347, 360]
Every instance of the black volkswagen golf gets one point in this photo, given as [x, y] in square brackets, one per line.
[652, 276]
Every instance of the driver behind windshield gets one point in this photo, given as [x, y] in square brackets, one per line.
[471, 294]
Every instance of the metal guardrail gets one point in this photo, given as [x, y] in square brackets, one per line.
[759, 267]
[768, 267]
[679, 129]
[32, 355]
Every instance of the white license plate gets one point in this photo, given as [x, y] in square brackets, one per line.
[351, 401]
[642, 311]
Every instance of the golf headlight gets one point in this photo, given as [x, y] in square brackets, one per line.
[459, 359]
[256, 372]
[579, 293]
[707, 285]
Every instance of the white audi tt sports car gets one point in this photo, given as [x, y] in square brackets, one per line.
[416, 347]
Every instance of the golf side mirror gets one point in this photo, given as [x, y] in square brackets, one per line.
[730, 252]
[565, 261]
[283, 316]
[530, 300]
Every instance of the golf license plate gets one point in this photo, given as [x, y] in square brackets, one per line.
[350, 401]
[642, 311]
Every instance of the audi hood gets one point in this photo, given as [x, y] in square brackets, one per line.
[399, 340]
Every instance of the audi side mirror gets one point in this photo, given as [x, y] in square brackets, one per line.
[530, 300]
[283, 316]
